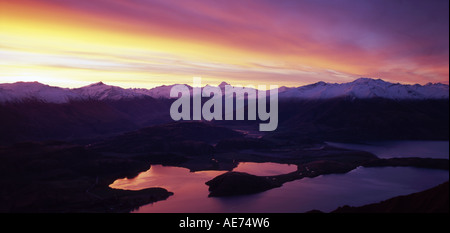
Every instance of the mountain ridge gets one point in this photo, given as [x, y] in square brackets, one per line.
[366, 88]
[362, 88]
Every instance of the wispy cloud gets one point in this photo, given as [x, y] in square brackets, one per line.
[281, 42]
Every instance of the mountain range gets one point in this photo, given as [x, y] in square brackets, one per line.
[365, 109]
[366, 88]
[362, 88]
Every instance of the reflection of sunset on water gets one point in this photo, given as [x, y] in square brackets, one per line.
[265, 169]
[170, 178]
[326, 192]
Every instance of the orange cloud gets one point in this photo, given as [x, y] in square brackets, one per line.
[135, 43]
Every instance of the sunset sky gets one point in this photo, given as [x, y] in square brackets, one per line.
[147, 43]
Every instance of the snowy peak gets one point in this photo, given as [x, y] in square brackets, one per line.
[223, 84]
[364, 88]
[368, 81]
[101, 91]
[96, 84]
[158, 92]
[20, 91]
[361, 88]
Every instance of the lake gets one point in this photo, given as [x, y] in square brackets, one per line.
[326, 193]
[390, 149]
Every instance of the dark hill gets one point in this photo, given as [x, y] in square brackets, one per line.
[39, 121]
[363, 119]
[184, 137]
[434, 200]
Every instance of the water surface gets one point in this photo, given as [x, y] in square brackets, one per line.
[358, 187]
[326, 193]
[390, 149]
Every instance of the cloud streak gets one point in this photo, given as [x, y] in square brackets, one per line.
[293, 42]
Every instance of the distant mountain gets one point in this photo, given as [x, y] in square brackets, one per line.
[356, 120]
[364, 109]
[22, 91]
[366, 88]
[101, 91]
[363, 88]
[161, 92]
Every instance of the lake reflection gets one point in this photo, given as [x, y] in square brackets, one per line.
[174, 177]
[358, 187]
[190, 190]
[265, 169]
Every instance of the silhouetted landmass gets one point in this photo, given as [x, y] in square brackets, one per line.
[434, 200]
[236, 144]
[192, 138]
[233, 183]
[238, 183]
[340, 119]
[310, 164]
[60, 177]
[293, 154]
[350, 120]
[410, 162]
[87, 119]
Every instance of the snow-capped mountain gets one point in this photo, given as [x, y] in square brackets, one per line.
[101, 91]
[19, 91]
[157, 92]
[362, 88]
